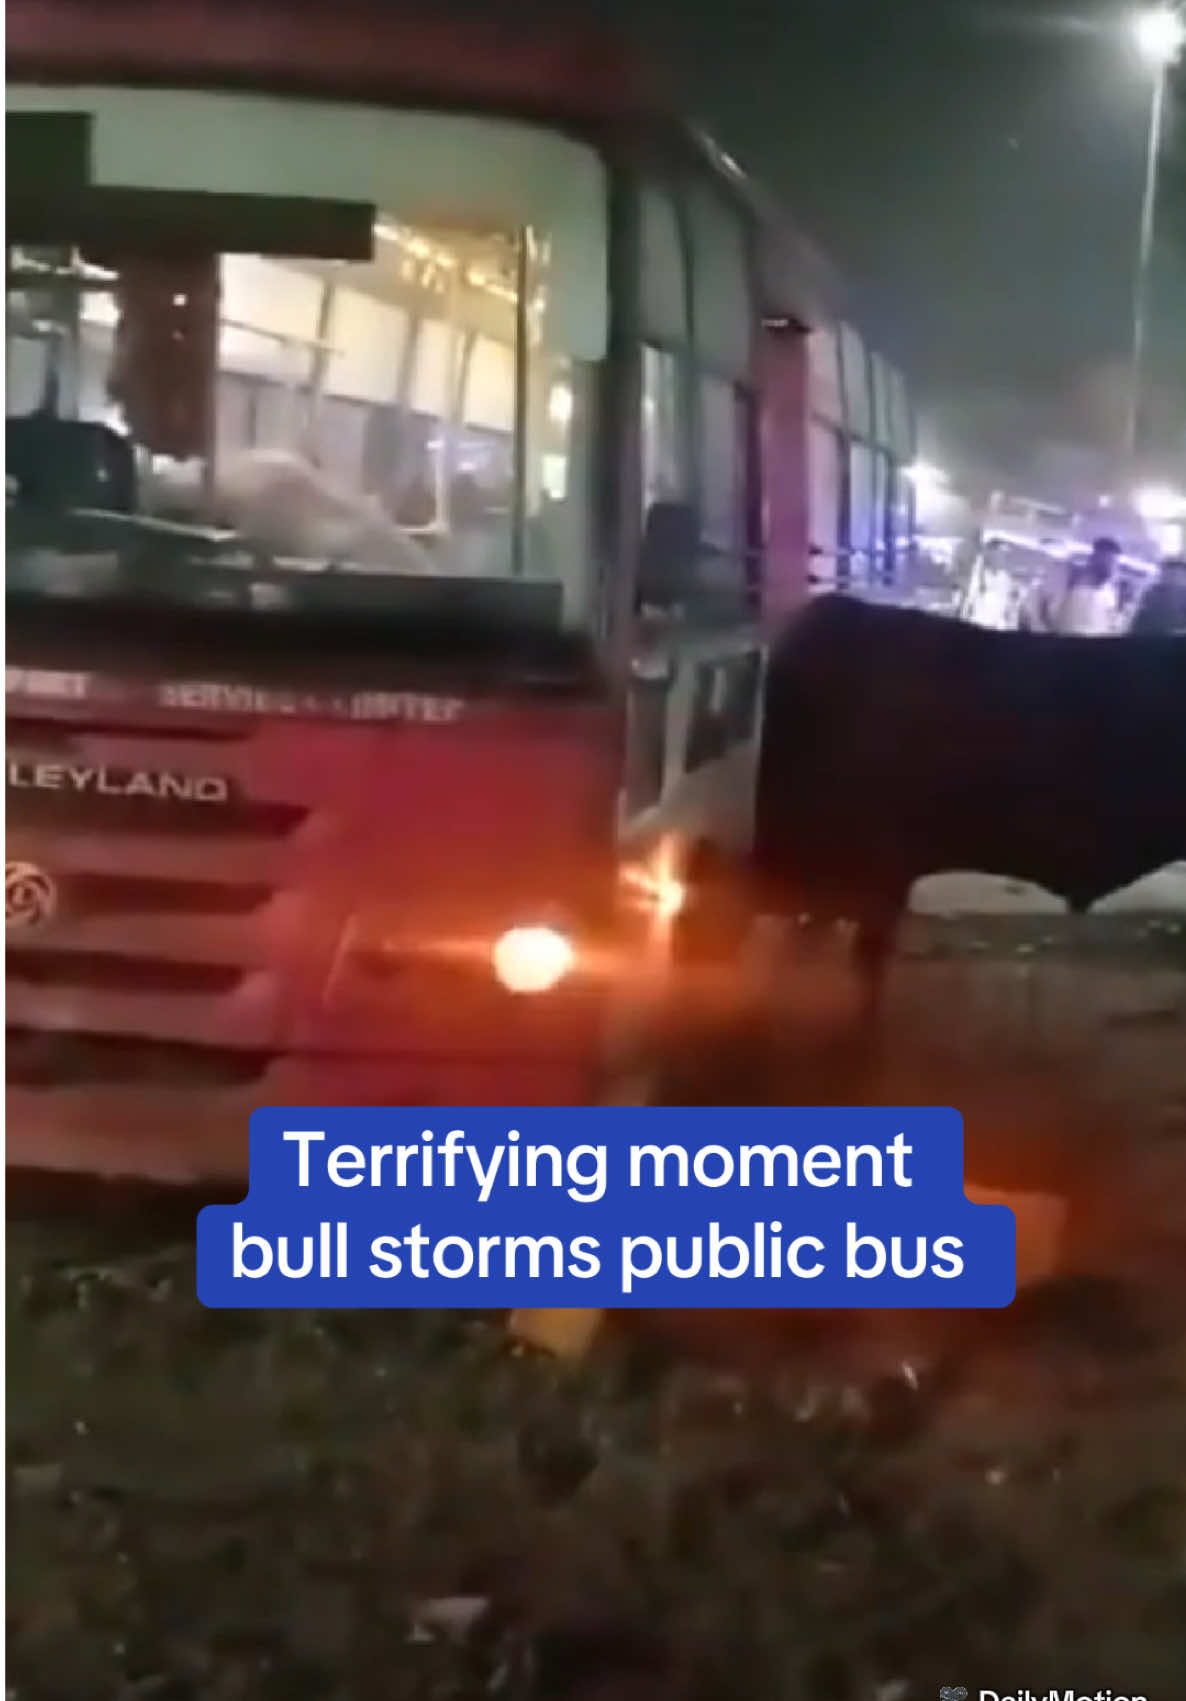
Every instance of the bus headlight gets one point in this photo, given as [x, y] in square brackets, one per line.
[532, 959]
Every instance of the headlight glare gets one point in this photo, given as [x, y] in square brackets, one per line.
[532, 959]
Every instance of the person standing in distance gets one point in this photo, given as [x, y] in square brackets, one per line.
[1162, 608]
[1090, 606]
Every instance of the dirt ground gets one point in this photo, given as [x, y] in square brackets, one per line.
[211, 1506]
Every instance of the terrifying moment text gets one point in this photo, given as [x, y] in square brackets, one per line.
[610, 1208]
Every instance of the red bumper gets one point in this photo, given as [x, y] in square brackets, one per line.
[180, 1136]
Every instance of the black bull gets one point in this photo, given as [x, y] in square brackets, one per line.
[899, 744]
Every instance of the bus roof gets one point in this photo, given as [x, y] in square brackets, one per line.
[356, 49]
[578, 78]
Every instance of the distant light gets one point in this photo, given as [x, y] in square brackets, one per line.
[1158, 505]
[1160, 34]
[1105, 502]
[922, 472]
[928, 481]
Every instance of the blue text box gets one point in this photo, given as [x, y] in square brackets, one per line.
[608, 1208]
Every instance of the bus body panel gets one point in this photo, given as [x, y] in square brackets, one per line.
[213, 910]
[360, 51]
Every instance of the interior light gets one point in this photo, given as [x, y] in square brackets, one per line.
[560, 404]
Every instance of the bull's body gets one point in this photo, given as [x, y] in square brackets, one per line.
[900, 744]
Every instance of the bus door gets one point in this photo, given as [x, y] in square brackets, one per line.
[699, 651]
[698, 661]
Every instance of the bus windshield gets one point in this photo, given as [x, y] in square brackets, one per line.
[406, 415]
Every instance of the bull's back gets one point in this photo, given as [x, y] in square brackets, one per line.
[899, 743]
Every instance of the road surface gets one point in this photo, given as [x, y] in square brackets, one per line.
[213, 1507]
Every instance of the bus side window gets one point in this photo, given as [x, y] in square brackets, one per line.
[666, 476]
[728, 532]
[722, 471]
[699, 418]
[883, 528]
[860, 514]
[827, 505]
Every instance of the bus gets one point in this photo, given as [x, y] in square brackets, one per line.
[414, 441]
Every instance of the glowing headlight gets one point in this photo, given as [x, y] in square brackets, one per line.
[532, 959]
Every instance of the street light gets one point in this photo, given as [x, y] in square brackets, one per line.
[1163, 513]
[1158, 505]
[1160, 37]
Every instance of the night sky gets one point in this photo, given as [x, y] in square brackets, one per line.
[976, 168]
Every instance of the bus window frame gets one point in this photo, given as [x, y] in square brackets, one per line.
[701, 606]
